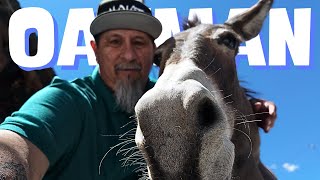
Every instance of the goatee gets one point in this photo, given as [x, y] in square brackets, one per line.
[127, 93]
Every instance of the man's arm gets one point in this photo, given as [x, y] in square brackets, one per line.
[19, 158]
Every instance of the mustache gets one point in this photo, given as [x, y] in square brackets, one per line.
[128, 66]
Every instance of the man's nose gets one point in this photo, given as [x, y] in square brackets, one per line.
[129, 52]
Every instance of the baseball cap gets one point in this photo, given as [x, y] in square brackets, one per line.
[125, 14]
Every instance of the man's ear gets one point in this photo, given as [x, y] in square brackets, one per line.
[94, 48]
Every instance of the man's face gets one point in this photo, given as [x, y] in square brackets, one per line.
[124, 55]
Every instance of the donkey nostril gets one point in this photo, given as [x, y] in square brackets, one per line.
[207, 113]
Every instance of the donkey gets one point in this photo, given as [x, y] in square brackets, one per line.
[194, 123]
[17, 85]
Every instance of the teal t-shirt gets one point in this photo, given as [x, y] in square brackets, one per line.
[75, 124]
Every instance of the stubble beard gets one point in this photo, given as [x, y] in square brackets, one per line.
[127, 93]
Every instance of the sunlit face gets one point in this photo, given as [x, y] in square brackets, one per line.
[124, 55]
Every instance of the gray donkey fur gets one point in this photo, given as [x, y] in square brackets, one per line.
[194, 124]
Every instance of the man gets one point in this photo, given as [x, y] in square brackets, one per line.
[65, 130]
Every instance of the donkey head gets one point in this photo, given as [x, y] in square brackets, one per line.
[189, 124]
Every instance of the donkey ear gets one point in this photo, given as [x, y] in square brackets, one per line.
[163, 52]
[249, 23]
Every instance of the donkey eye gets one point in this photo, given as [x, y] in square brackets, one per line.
[230, 41]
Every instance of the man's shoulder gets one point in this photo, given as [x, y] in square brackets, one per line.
[77, 90]
[78, 81]
[79, 84]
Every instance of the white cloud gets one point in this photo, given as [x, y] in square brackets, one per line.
[290, 167]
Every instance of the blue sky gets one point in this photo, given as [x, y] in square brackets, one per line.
[292, 148]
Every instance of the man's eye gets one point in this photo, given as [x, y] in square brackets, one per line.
[115, 42]
[139, 43]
